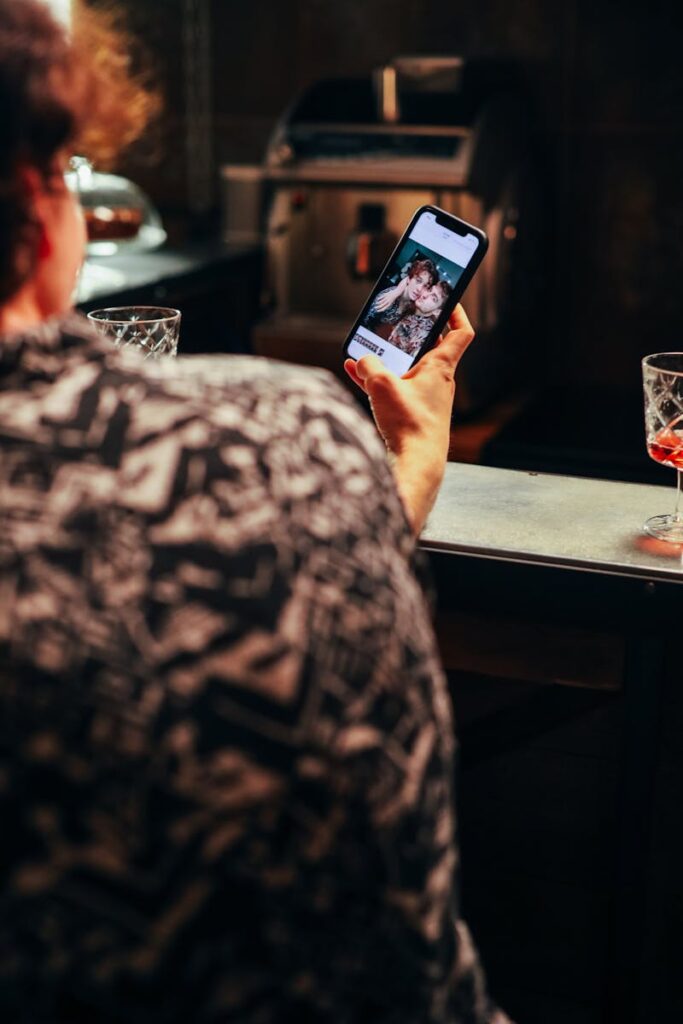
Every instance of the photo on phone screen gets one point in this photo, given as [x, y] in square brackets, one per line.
[419, 287]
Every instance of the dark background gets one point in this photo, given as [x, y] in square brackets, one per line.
[537, 817]
[607, 77]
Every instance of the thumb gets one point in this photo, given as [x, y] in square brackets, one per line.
[451, 346]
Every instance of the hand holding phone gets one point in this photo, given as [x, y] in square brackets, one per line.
[418, 289]
[413, 414]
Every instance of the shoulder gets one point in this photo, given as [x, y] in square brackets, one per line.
[259, 398]
[266, 404]
[242, 429]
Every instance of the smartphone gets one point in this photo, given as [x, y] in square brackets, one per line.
[418, 289]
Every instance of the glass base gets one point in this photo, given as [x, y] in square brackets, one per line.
[666, 528]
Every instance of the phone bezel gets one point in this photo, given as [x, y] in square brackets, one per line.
[458, 227]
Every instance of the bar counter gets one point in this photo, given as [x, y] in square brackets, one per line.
[559, 624]
[570, 522]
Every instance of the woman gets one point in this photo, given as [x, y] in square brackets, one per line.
[394, 302]
[225, 746]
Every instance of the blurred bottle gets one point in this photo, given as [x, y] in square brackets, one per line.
[371, 243]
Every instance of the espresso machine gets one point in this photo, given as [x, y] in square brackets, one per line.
[345, 169]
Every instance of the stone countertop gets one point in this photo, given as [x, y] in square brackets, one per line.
[561, 521]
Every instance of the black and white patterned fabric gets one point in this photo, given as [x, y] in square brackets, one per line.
[225, 739]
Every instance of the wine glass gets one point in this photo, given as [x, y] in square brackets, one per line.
[663, 390]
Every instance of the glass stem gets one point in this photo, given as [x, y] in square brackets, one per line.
[679, 492]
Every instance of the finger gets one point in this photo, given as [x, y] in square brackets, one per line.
[459, 320]
[370, 367]
[350, 367]
[447, 353]
[375, 380]
[451, 346]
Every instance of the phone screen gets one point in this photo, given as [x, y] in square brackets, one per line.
[402, 313]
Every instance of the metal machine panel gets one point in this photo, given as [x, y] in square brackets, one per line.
[345, 170]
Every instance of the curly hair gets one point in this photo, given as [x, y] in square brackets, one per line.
[59, 90]
[423, 265]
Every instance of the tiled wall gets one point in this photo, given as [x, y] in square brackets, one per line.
[609, 80]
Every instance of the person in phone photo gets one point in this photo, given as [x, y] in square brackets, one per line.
[412, 330]
[393, 302]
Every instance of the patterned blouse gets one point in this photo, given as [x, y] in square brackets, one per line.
[225, 739]
[412, 331]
